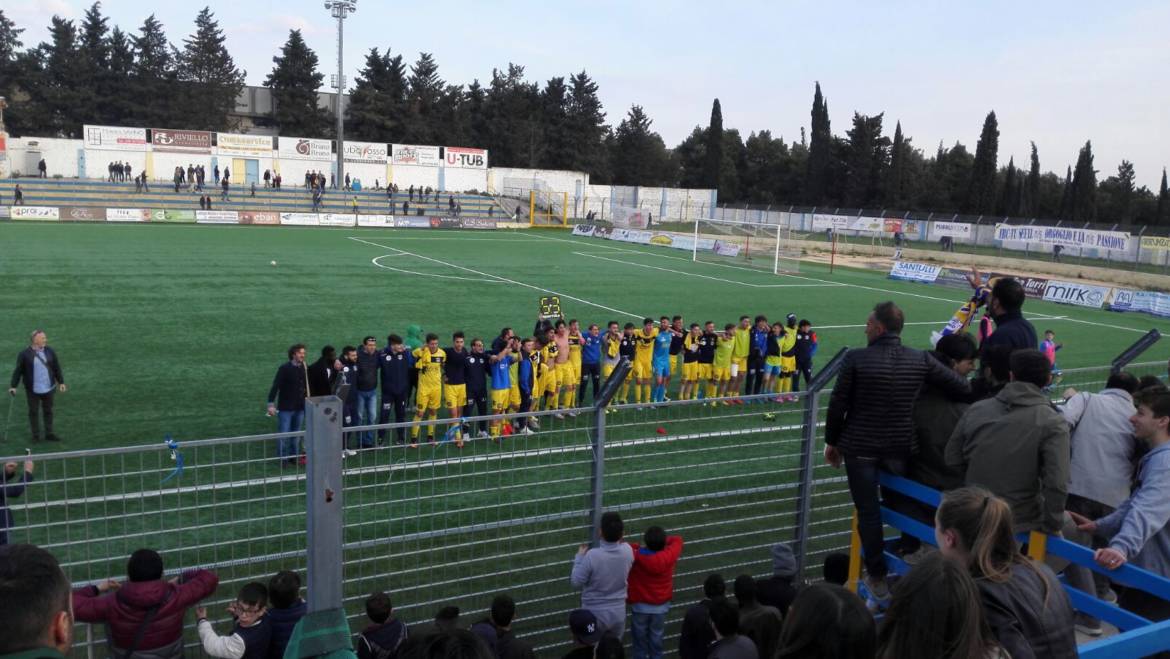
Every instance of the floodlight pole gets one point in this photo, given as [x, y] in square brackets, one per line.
[339, 10]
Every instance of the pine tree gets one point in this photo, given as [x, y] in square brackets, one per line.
[17, 71]
[1083, 198]
[1162, 218]
[512, 109]
[691, 158]
[62, 104]
[866, 160]
[713, 165]
[376, 110]
[212, 81]
[981, 194]
[1031, 196]
[820, 151]
[1009, 196]
[1065, 210]
[554, 121]
[640, 156]
[153, 76]
[1123, 203]
[10, 42]
[424, 92]
[473, 100]
[294, 82]
[586, 126]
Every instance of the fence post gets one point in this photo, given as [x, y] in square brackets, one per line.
[597, 476]
[323, 502]
[808, 446]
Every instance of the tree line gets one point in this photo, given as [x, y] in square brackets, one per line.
[89, 72]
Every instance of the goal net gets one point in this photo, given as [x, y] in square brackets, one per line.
[767, 247]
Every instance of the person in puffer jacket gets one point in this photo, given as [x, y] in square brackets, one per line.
[651, 587]
[125, 607]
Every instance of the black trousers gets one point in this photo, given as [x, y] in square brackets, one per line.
[398, 404]
[589, 372]
[754, 382]
[36, 403]
[801, 370]
[477, 405]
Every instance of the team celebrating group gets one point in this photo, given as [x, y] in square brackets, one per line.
[550, 370]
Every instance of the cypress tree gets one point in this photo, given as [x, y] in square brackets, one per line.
[1083, 198]
[981, 193]
[1031, 195]
[1009, 194]
[1065, 210]
[1125, 192]
[713, 164]
[1163, 216]
[294, 81]
[896, 192]
[820, 150]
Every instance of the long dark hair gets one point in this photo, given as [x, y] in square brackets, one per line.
[983, 523]
[826, 621]
[936, 613]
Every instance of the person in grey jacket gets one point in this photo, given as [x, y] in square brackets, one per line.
[1138, 530]
[729, 643]
[601, 575]
[1016, 446]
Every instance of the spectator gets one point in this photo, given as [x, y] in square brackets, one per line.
[756, 621]
[224, 185]
[42, 169]
[696, 633]
[252, 633]
[651, 588]
[828, 622]
[729, 643]
[449, 644]
[609, 647]
[323, 373]
[779, 589]
[34, 604]
[145, 615]
[369, 364]
[836, 568]
[1104, 452]
[498, 628]
[1016, 445]
[291, 383]
[381, 640]
[1026, 607]
[1011, 329]
[936, 614]
[600, 573]
[1150, 382]
[1137, 531]
[286, 608]
[869, 425]
[995, 374]
[267, 178]
[11, 492]
[446, 619]
[586, 633]
[17, 196]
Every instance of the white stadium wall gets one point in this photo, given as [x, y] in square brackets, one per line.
[61, 156]
[573, 183]
[367, 173]
[462, 180]
[419, 176]
[163, 164]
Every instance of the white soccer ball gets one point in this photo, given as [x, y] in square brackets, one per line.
[274, 263]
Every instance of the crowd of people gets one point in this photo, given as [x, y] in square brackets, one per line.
[553, 369]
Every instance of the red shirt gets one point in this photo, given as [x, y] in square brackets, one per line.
[651, 578]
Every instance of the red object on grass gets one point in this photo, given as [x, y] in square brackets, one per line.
[661, 430]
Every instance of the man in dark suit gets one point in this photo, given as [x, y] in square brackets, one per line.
[37, 365]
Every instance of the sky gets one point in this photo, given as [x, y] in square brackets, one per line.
[1057, 73]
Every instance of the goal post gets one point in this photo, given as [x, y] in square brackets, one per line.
[765, 247]
[548, 209]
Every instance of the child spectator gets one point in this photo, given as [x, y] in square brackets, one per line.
[146, 602]
[586, 633]
[286, 608]
[1025, 605]
[756, 621]
[836, 568]
[827, 622]
[697, 634]
[11, 492]
[729, 643]
[779, 590]
[651, 587]
[936, 614]
[381, 640]
[1049, 346]
[252, 633]
[601, 575]
[496, 630]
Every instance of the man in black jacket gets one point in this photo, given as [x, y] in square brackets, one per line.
[369, 361]
[38, 367]
[397, 363]
[286, 401]
[1011, 329]
[869, 424]
[323, 372]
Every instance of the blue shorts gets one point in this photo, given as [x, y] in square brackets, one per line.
[662, 369]
[772, 370]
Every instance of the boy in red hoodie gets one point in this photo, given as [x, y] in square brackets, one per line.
[651, 587]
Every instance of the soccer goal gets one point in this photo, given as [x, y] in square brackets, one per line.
[747, 244]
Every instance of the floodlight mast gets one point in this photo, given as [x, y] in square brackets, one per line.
[339, 9]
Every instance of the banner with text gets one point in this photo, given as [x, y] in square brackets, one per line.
[1118, 240]
[304, 148]
[373, 153]
[950, 230]
[83, 214]
[114, 138]
[337, 219]
[172, 216]
[583, 229]
[834, 222]
[180, 141]
[236, 144]
[413, 154]
[35, 213]
[908, 271]
[1156, 243]
[1082, 295]
[217, 217]
[127, 215]
[465, 158]
[379, 221]
[259, 217]
[299, 219]
[1157, 304]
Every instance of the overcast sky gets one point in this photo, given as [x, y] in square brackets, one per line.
[1058, 73]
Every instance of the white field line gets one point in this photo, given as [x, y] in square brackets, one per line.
[692, 274]
[376, 261]
[406, 466]
[502, 279]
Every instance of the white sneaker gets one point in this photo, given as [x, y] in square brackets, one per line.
[527, 431]
[533, 423]
[482, 434]
[573, 414]
[348, 453]
[558, 415]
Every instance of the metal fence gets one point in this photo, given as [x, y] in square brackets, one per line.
[441, 525]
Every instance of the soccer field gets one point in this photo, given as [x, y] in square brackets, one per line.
[179, 329]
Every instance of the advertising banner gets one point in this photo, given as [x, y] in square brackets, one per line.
[867, 224]
[465, 158]
[236, 144]
[127, 215]
[304, 148]
[603, 232]
[1157, 304]
[366, 152]
[5, 212]
[413, 222]
[834, 222]
[217, 217]
[1034, 287]
[583, 230]
[259, 217]
[477, 223]
[443, 223]
[378, 221]
[628, 217]
[337, 219]
[299, 219]
[413, 154]
[35, 213]
[908, 271]
[1156, 243]
[3, 147]
[959, 230]
[723, 248]
[1118, 240]
[892, 226]
[83, 214]
[1082, 295]
[180, 141]
[170, 216]
[114, 138]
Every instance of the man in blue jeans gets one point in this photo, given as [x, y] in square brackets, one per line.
[869, 426]
[286, 401]
[369, 361]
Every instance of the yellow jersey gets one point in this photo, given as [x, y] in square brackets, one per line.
[644, 344]
[743, 343]
[430, 367]
[575, 348]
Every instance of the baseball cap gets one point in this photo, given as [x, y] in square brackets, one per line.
[791, 318]
[583, 624]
